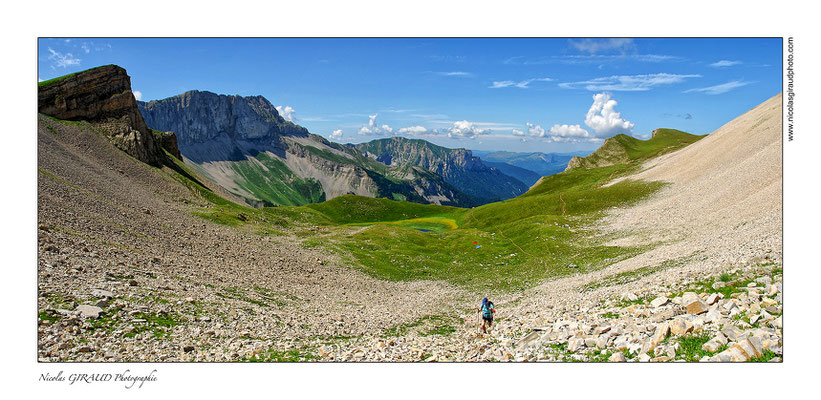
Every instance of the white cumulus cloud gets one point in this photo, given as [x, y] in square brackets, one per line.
[465, 129]
[417, 130]
[517, 132]
[373, 129]
[569, 133]
[336, 135]
[535, 130]
[603, 118]
[287, 112]
[137, 94]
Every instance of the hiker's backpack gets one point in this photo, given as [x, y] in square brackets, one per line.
[486, 309]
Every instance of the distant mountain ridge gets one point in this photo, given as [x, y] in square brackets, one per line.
[541, 163]
[458, 167]
[245, 146]
[525, 176]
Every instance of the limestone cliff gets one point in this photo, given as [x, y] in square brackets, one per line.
[201, 117]
[244, 145]
[103, 96]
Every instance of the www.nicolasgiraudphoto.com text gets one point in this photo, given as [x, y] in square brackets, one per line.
[790, 88]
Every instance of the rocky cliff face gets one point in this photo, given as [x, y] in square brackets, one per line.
[458, 167]
[244, 145]
[103, 96]
[201, 117]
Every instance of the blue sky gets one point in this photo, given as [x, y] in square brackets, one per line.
[550, 95]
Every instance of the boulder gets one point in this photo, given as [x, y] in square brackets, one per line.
[732, 332]
[617, 357]
[680, 326]
[602, 329]
[664, 315]
[662, 331]
[100, 293]
[724, 356]
[602, 340]
[694, 305]
[659, 301]
[575, 345]
[87, 311]
[646, 347]
[752, 346]
[712, 346]
[737, 354]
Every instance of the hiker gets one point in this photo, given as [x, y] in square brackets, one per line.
[487, 310]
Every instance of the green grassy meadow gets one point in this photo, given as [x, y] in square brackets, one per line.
[519, 242]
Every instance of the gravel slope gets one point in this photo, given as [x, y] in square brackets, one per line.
[109, 222]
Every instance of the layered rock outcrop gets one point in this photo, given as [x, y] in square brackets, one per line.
[200, 117]
[103, 96]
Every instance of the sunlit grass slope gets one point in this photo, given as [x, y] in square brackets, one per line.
[509, 245]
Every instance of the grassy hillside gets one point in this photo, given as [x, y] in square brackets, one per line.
[622, 149]
[270, 180]
[350, 209]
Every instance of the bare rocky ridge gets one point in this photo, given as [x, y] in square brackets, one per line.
[222, 137]
[127, 273]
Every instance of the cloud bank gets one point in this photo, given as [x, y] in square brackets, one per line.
[630, 83]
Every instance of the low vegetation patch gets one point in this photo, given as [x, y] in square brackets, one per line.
[273, 355]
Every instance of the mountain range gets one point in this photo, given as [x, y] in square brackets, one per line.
[248, 148]
[244, 145]
[459, 167]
